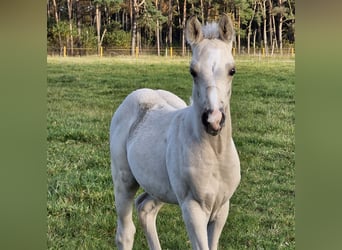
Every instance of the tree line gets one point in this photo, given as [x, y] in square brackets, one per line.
[157, 24]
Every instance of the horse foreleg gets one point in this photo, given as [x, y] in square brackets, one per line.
[216, 225]
[148, 208]
[196, 220]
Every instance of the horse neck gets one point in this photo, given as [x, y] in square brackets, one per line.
[220, 142]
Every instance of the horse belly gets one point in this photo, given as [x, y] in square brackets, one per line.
[146, 156]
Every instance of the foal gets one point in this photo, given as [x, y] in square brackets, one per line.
[179, 154]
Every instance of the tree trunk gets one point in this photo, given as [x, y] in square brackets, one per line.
[170, 17]
[131, 13]
[79, 27]
[157, 33]
[57, 23]
[123, 19]
[183, 26]
[270, 8]
[280, 29]
[134, 32]
[238, 32]
[280, 35]
[248, 41]
[275, 32]
[71, 39]
[179, 20]
[48, 8]
[139, 39]
[107, 19]
[157, 38]
[265, 25]
[98, 28]
[207, 9]
[202, 12]
[259, 35]
[250, 28]
[254, 41]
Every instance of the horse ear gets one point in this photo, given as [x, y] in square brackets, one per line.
[226, 29]
[193, 31]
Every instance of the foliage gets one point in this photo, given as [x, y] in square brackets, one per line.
[118, 39]
[150, 15]
[62, 29]
[82, 95]
[88, 38]
[113, 12]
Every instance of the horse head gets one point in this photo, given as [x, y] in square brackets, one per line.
[212, 68]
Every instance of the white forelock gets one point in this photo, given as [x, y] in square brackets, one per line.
[211, 30]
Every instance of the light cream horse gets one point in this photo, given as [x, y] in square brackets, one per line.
[179, 154]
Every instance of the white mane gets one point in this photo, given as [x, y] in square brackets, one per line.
[211, 30]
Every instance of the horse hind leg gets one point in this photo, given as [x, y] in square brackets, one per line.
[148, 208]
[125, 188]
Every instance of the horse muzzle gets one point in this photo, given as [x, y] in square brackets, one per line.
[213, 121]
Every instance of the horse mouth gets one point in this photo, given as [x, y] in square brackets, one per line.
[209, 128]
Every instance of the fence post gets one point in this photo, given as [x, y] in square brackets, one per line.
[234, 49]
[171, 52]
[263, 52]
[101, 51]
[292, 51]
[64, 51]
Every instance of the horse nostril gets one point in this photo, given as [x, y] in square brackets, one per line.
[205, 117]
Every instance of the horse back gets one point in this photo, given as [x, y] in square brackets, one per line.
[135, 106]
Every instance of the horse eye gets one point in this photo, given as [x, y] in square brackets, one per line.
[232, 72]
[193, 72]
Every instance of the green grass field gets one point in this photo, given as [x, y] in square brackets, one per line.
[83, 93]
